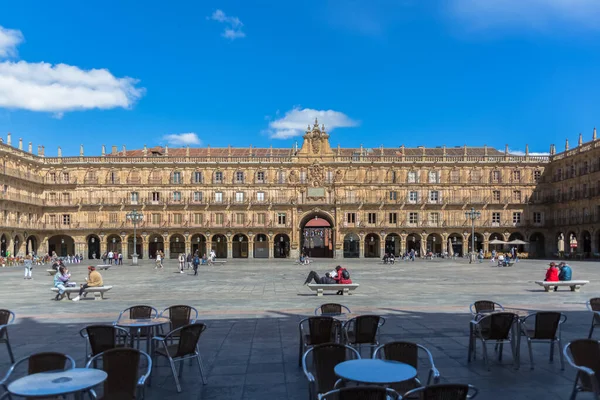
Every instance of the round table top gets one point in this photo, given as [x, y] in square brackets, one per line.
[142, 322]
[375, 371]
[519, 312]
[48, 384]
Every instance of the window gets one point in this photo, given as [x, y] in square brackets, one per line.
[66, 197]
[393, 218]
[495, 176]
[412, 197]
[155, 196]
[571, 193]
[112, 177]
[239, 177]
[434, 219]
[475, 176]
[65, 176]
[219, 218]
[197, 177]
[156, 219]
[454, 176]
[66, 219]
[218, 177]
[573, 173]
[239, 197]
[176, 196]
[177, 219]
[413, 218]
[517, 176]
[91, 217]
[351, 218]
[52, 197]
[260, 177]
[51, 216]
[393, 195]
[412, 177]
[329, 177]
[496, 195]
[434, 196]
[372, 218]
[261, 218]
[240, 218]
[517, 196]
[52, 177]
[496, 218]
[281, 218]
[433, 177]
[537, 175]
[218, 197]
[537, 217]
[516, 218]
[135, 197]
[198, 197]
[198, 218]
[281, 177]
[112, 217]
[176, 177]
[260, 196]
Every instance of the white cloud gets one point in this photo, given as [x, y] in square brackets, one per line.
[536, 14]
[182, 139]
[295, 121]
[233, 25]
[9, 40]
[59, 88]
[522, 153]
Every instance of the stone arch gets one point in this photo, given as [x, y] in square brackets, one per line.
[4, 241]
[155, 243]
[176, 245]
[261, 246]
[239, 246]
[317, 234]
[351, 245]
[413, 242]
[434, 243]
[113, 243]
[478, 241]
[18, 245]
[455, 244]
[93, 247]
[219, 245]
[281, 246]
[372, 245]
[393, 244]
[31, 244]
[61, 245]
[137, 248]
[585, 243]
[198, 241]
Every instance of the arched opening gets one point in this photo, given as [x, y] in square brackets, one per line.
[478, 242]
[281, 246]
[61, 245]
[317, 236]
[199, 245]
[93, 245]
[573, 242]
[176, 246]
[139, 245]
[392, 244]
[239, 246]
[17, 245]
[3, 245]
[351, 246]
[413, 242]
[155, 244]
[372, 245]
[586, 243]
[434, 243]
[113, 243]
[497, 247]
[219, 245]
[455, 245]
[261, 246]
[537, 246]
[31, 245]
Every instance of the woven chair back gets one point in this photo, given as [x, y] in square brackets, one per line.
[331, 309]
[101, 338]
[325, 357]
[405, 352]
[179, 316]
[362, 393]
[188, 339]
[323, 330]
[484, 305]
[546, 325]
[122, 367]
[44, 362]
[586, 353]
[365, 329]
[4, 318]
[499, 326]
[140, 312]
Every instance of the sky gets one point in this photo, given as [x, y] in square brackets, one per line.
[240, 73]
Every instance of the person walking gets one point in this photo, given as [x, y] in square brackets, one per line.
[196, 263]
[120, 258]
[28, 267]
[189, 260]
[181, 262]
[159, 263]
[110, 257]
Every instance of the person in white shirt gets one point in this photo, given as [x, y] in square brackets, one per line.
[110, 257]
[213, 255]
[181, 262]
[158, 261]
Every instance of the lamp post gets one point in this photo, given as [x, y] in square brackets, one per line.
[473, 215]
[134, 217]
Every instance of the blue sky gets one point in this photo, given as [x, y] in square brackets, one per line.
[388, 72]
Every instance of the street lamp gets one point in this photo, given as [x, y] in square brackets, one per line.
[134, 217]
[473, 215]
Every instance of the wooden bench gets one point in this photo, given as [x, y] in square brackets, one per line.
[103, 267]
[98, 291]
[346, 289]
[51, 272]
[574, 285]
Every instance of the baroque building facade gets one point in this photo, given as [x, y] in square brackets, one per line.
[269, 203]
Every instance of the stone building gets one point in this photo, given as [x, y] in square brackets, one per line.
[265, 202]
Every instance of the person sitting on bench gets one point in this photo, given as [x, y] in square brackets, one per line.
[94, 279]
[326, 280]
[564, 273]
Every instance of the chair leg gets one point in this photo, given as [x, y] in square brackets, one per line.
[575, 391]
[181, 364]
[300, 353]
[174, 371]
[470, 350]
[551, 351]
[10, 353]
[201, 368]
[530, 353]
[560, 355]
[485, 356]
[592, 328]
[500, 347]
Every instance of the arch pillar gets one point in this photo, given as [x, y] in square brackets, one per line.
[423, 249]
[271, 244]
[444, 243]
[229, 247]
[11, 245]
[465, 243]
[361, 245]
[403, 237]
[145, 245]
[250, 245]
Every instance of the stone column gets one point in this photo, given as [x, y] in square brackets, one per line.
[403, 243]
[486, 246]
[167, 251]
[444, 245]
[382, 247]
[270, 241]
[11, 246]
[465, 249]
[188, 247]
[124, 248]
[229, 248]
[361, 246]
[145, 249]
[250, 247]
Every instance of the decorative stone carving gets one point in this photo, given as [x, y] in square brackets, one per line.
[316, 174]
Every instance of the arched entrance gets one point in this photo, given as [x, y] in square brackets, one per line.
[413, 242]
[176, 246]
[62, 245]
[239, 246]
[537, 246]
[139, 245]
[261, 246]
[93, 245]
[351, 246]
[113, 243]
[31, 245]
[586, 243]
[219, 245]
[478, 242]
[517, 236]
[317, 236]
[3, 245]
[281, 246]
[199, 245]
[455, 244]
[434, 243]
[155, 243]
[17, 244]
[372, 246]
[392, 244]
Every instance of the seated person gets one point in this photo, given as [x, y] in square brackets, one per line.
[385, 258]
[552, 273]
[61, 279]
[500, 260]
[326, 280]
[391, 258]
[343, 276]
[565, 272]
[94, 279]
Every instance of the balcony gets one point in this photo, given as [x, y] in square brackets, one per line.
[15, 173]
[22, 199]
[90, 180]
[134, 180]
[61, 181]
[155, 181]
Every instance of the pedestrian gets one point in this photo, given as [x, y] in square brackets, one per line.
[28, 267]
[480, 256]
[159, 263]
[120, 258]
[189, 260]
[110, 256]
[196, 262]
[181, 262]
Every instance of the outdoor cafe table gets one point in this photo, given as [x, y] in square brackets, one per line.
[374, 371]
[58, 383]
[142, 323]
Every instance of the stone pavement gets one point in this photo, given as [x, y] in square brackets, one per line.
[252, 309]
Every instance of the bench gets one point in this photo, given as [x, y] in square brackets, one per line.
[509, 264]
[51, 272]
[346, 289]
[103, 267]
[98, 291]
[574, 285]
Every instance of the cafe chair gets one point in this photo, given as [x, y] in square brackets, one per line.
[318, 364]
[179, 316]
[594, 306]
[40, 362]
[362, 393]
[363, 330]
[127, 369]
[448, 391]
[546, 330]
[7, 317]
[584, 356]
[483, 306]
[318, 330]
[139, 312]
[408, 353]
[495, 328]
[101, 338]
[185, 348]
[332, 310]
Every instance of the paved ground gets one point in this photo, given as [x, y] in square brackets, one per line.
[252, 309]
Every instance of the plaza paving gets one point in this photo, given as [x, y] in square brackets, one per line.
[252, 309]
